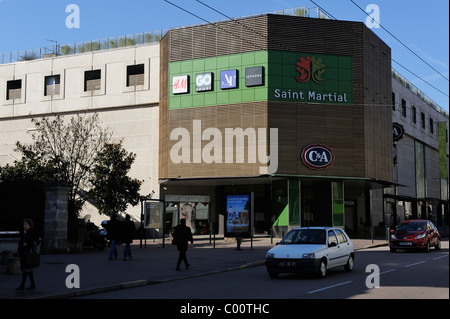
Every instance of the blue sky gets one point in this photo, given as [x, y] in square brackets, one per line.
[423, 26]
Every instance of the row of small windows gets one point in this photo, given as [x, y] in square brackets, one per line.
[414, 114]
[92, 82]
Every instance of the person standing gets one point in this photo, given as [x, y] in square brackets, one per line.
[112, 233]
[29, 240]
[182, 236]
[128, 230]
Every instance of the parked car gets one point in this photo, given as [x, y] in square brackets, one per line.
[311, 249]
[415, 234]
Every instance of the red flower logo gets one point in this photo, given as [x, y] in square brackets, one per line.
[304, 68]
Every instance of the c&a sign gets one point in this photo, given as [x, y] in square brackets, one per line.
[317, 156]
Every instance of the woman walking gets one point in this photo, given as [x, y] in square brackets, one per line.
[28, 242]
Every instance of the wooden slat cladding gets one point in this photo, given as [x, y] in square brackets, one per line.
[221, 38]
[368, 122]
[164, 49]
[300, 125]
[359, 134]
[221, 117]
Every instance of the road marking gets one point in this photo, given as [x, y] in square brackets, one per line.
[436, 258]
[329, 287]
[385, 272]
[418, 263]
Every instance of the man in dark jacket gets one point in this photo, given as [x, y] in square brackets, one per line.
[182, 235]
[127, 234]
[113, 233]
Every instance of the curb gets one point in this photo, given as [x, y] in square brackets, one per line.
[141, 282]
[373, 246]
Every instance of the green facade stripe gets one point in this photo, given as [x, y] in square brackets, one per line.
[283, 219]
[288, 76]
[443, 159]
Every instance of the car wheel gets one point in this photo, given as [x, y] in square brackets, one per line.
[273, 274]
[427, 248]
[350, 264]
[393, 250]
[322, 271]
[438, 245]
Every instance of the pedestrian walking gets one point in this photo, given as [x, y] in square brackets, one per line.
[28, 253]
[182, 235]
[112, 233]
[127, 235]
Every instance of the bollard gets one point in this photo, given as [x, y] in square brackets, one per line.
[238, 241]
[13, 266]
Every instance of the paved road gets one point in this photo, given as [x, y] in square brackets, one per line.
[150, 264]
[402, 275]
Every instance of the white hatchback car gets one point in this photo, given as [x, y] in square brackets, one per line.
[315, 249]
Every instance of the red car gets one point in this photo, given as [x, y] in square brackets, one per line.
[415, 234]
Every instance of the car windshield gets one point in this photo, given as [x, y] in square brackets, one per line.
[412, 226]
[305, 236]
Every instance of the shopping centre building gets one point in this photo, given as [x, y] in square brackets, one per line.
[267, 122]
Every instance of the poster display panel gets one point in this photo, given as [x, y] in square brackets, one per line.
[238, 215]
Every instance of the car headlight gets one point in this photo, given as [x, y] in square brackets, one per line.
[270, 255]
[421, 236]
[393, 236]
[308, 256]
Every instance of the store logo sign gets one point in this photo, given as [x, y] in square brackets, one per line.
[254, 76]
[180, 84]
[397, 131]
[203, 82]
[317, 156]
[228, 79]
[310, 68]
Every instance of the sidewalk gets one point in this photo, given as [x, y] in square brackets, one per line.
[150, 264]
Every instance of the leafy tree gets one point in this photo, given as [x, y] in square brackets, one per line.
[62, 151]
[112, 189]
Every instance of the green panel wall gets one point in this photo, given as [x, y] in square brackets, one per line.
[315, 78]
[338, 203]
[218, 96]
[288, 76]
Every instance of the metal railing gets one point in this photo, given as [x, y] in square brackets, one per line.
[135, 39]
[407, 84]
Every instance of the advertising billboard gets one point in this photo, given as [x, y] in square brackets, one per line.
[153, 214]
[238, 218]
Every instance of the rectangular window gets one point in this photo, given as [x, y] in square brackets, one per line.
[92, 80]
[403, 108]
[413, 114]
[13, 89]
[422, 119]
[135, 75]
[431, 126]
[52, 85]
[393, 101]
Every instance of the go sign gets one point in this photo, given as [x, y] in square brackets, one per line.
[317, 156]
[204, 82]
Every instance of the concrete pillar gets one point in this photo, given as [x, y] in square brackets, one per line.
[56, 216]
